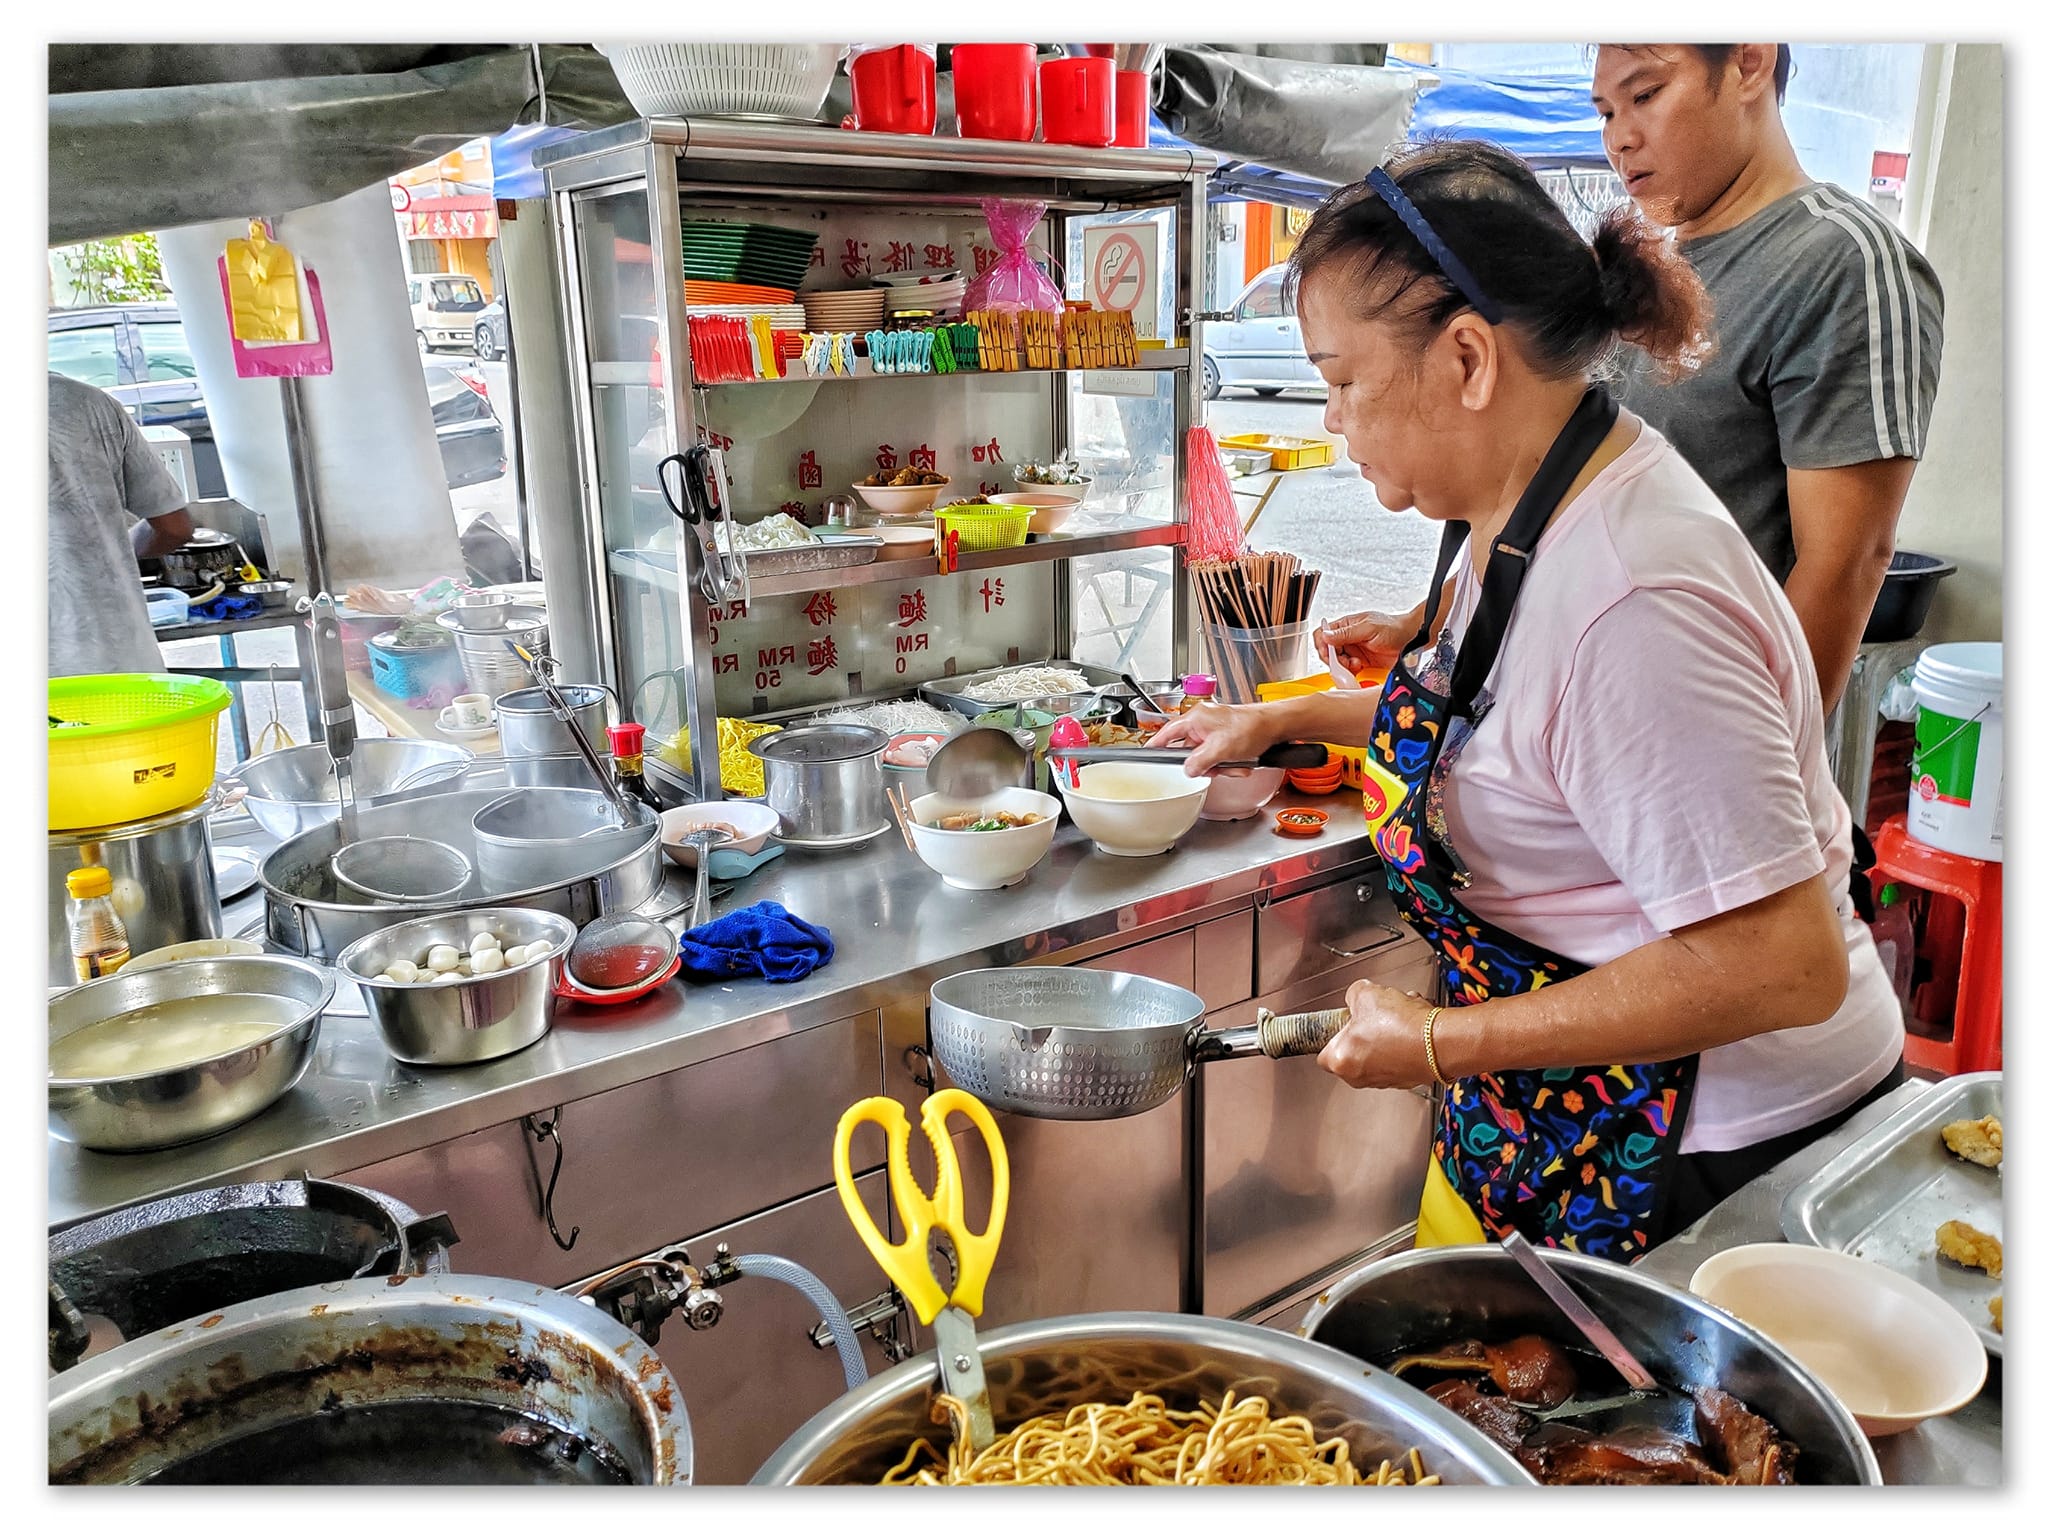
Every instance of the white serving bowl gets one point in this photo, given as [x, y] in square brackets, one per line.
[1049, 509]
[1134, 810]
[754, 821]
[896, 500]
[983, 861]
[193, 949]
[1893, 1351]
[1236, 794]
[904, 543]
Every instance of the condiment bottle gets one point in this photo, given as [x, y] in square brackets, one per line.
[1196, 688]
[629, 748]
[99, 939]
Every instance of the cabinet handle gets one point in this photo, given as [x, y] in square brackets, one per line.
[1386, 936]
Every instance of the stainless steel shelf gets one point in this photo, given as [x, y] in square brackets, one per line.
[628, 563]
[1156, 360]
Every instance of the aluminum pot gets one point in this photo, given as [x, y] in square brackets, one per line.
[478, 1018]
[164, 885]
[1430, 1296]
[293, 790]
[308, 912]
[825, 782]
[148, 1266]
[1051, 1364]
[170, 1108]
[530, 837]
[392, 1380]
[527, 726]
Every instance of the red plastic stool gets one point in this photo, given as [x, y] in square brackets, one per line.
[1977, 1041]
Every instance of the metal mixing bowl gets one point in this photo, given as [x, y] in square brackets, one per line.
[478, 1018]
[1431, 1296]
[461, 1357]
[292, 791]
[1051, 1364]
[167, 1109]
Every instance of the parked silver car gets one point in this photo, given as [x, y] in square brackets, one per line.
[1259, 347]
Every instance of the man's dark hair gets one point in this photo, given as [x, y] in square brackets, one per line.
[1716, 55]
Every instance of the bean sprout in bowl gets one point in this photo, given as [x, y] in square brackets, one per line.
[1134, 810]
[986, 843]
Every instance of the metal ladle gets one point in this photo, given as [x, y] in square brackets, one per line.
[976, 763]
[703, 839]
[538, 666]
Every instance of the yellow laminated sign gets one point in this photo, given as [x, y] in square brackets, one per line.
[263, 289]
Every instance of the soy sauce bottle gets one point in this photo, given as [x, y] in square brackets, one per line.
[629, 748]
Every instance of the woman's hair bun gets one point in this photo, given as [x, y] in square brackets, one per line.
[1653, 297]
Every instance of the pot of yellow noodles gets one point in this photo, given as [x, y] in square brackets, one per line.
[1134, 1398]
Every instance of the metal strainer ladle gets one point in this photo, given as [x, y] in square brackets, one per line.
[1059, 1043]
[401, 868]
[617, 954]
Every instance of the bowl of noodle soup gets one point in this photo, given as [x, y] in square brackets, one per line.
[1133, 1397]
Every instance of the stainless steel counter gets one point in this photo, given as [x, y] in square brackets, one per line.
[1966, 1447]
[890, 919]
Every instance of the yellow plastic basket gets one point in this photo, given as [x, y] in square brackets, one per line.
[1288, 452]
[1353, 758]
[144, 746]
[982, 528]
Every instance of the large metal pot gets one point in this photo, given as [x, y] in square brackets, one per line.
[293, 790]
[169, 1108]
[530, 837]
[1050, 1364]
[308, 912]
[163, 880]
[1431, 1296]
[149, 1266]
[825, 782]
[422, 1379]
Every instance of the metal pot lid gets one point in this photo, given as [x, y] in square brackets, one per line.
[819, 744]
[532, 701]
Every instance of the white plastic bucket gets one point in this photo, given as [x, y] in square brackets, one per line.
[1957, 798]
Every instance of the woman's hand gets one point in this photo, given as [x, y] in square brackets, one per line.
[1366, 641]
[1380, 1046]
[1221, 733]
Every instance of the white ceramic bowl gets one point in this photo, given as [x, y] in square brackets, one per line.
[1237, 794]
[754, 821]
[193, 949]
[1049, 509]
[1893, 1351]
[895, 500]
[1134, 810]
[1078, 489]
[983, 861]
[904, 543]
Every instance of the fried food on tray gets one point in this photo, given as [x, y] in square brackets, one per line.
[1976, 1141]
[1965, 1245]
[1998, 1313]
[1105, 733]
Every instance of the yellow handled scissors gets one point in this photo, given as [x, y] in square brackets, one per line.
[948, 1313]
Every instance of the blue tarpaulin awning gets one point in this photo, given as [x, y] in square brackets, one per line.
[1547, 119]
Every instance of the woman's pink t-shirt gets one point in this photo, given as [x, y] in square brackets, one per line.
[1655, 756]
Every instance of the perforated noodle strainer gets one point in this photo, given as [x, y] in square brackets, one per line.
[401, 868]
[625, 955]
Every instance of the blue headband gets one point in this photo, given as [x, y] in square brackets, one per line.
[1445, 258]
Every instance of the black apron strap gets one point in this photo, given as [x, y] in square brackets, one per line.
[1455, 534]
[1509, 561]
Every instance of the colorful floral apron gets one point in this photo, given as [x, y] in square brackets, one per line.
[1575, 1157]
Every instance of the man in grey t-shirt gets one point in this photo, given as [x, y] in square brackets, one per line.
[1810, 415]
[103, 476]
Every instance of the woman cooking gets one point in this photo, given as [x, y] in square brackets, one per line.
[1597, 775]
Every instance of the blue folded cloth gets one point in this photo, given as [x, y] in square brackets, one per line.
[762, 940]
[229, 605]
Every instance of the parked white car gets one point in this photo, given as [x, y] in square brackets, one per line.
[1259, 347]
[445, 306]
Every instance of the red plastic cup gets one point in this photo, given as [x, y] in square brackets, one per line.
[1078, 98]
[995, 90]
[1133, 109]
[895, 90]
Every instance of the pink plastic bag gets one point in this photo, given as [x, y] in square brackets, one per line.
[1015, 281]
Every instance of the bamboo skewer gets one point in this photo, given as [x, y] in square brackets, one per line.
[898, 805]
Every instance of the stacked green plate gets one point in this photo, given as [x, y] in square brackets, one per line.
[715, 252]
[776, 257]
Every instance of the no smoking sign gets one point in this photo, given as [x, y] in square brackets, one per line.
[1122, 263]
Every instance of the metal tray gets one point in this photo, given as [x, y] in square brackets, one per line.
[947, 692]
[829, 554]
[1882, 1198]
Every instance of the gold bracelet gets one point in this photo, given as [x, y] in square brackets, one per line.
[1429, 1048]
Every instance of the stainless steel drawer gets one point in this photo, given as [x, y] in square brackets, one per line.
[1324, 930]
[1299, 1169]
[682, 1152]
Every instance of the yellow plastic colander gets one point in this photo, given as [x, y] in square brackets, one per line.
[143, 745]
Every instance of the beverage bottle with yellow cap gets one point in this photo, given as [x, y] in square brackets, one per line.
[99, 939]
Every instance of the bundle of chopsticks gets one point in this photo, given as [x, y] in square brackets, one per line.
[1258, 593]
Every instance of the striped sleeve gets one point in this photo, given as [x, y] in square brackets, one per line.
[1855, 370]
